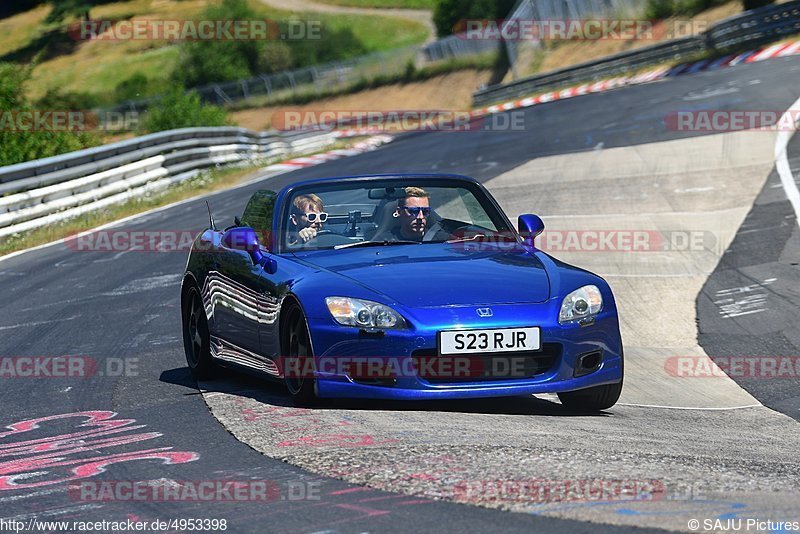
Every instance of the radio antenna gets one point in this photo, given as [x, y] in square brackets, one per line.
[211, 217]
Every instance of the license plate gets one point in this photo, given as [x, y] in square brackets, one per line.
[500, 340]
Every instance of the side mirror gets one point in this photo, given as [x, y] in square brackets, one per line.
[244, 238]
[529, 227]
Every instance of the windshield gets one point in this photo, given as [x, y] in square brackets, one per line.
[388, 213]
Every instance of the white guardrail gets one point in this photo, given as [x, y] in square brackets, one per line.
[50, 190]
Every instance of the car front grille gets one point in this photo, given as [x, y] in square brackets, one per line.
[485, 367]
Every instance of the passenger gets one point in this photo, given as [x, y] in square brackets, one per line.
[413, 211]
[306, 219]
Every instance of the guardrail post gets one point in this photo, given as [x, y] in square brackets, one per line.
[315, 79]
[267, 84]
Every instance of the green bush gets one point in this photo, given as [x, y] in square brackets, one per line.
[60, 100]
[177, 109]
[204, 62]
[275, 56]
[333, 45]
[659, 9]
[207, 61]
[139, 86]
[18, 145]
[449, 13]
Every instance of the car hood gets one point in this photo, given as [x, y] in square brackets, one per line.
[437, 275]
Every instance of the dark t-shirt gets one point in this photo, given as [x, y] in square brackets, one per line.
[397, 234]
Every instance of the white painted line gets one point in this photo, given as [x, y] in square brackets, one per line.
[782, 161]
[690, 408]
[29, 495]
[626, 215]
[650, 275]
[38, 323]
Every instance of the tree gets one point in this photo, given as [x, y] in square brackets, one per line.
[177, 109]
[448, 14]
[24, 144]
[203, 62]
[64, 9]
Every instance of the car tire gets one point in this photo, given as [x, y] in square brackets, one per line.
[196, 336]
[297, 346]
[594, 399]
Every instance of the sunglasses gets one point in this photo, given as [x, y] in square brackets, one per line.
[313, 217]
[414, 211]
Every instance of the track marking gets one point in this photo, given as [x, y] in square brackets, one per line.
[782, 162]
[690, 407]
[37, 323]
[651, 275]
[643, 214]
[29, 495]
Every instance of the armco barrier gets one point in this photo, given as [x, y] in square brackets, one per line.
[57, 188]
[751, 28]
[593, 70]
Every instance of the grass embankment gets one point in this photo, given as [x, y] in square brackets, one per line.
[560, 54]
[448, 91]
[97, 67]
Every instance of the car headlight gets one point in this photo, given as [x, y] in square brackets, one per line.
[580, 304]
[363, 313]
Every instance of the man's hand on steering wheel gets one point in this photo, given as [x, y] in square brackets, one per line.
[307, 234]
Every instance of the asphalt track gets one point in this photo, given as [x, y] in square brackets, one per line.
[111, 306]
[748, 307]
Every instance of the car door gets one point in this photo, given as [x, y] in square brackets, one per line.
[246, 296]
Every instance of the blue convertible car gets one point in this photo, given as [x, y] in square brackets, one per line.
[397, 287]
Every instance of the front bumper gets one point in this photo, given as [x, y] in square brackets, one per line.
[331, 341]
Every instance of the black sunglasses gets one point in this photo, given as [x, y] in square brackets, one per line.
[414, 211]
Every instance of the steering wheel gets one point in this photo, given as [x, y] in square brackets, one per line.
[326, 238]
[321, 233]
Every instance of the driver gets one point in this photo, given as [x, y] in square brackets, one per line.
[307, 218]
[413, 210]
